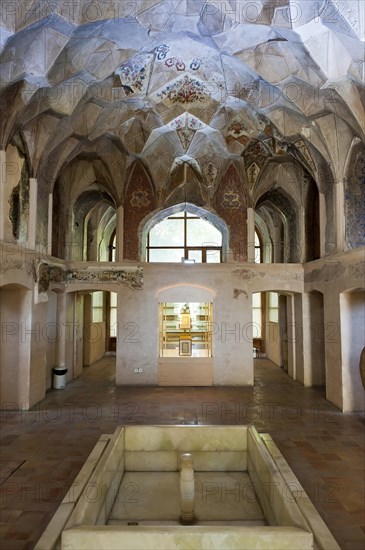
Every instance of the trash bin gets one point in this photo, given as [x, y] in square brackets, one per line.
[59, 377]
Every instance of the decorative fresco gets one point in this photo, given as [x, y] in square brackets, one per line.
[134, 74]
[230, 205]
[253, 172]
[258, 153]
[140, 199]
[210, 172]
[301, 146]
[184, 90]
[186, 120]
[355, 198]
[239, 131]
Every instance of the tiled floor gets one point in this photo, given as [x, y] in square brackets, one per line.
[43, 450]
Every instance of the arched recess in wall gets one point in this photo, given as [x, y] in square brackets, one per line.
[18, 207]
[283, 215]
[192, 209]
[354, 195]
[79, 234]
[312, 244]
[265, 240]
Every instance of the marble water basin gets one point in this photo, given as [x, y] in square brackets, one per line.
[126, 496]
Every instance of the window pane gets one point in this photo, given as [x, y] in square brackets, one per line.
[257, 240]
[167, 255]
[97, 299]
[202, 233]
[213, 256]
[195, 255]
[167, 233]
[256, 299]
[273, 299]
[274, 315]
[256, 319]
[113, 299]
[113, 322]
[97, 315]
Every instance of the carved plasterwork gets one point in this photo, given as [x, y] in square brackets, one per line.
[49, 274]
[130, 277]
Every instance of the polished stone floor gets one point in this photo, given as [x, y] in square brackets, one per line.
[42, 450]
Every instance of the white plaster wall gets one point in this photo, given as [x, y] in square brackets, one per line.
[298, 317]
[313, 339]
[52, 333]
[38, 353]
[272, 342]
[15, 316]
[353, 341]
[94, 335]
[70, 335]
[78, 335]
[231, 287]
[331, 276]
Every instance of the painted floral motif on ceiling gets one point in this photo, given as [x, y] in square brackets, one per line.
[231, 200]
[140, 197]
[238, 131]
[186, 120]
[253, 172]
[230, 204]
[134, 73]
[161, 51]
[185, 90]
[140, 200]
[180, 65]
[258, 153]
[301, 146]
[186, 137]
[210, 174]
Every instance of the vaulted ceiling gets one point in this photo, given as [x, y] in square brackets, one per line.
[174, 83]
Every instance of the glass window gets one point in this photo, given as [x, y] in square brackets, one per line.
[256, 315]
[202, 233]
[97, 307]
[169, 232]
[258, 249]
[165, 254]
[113, 315]
[213, 256]
[273, 307]
[172, 239]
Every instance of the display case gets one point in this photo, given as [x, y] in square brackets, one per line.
[186, 329]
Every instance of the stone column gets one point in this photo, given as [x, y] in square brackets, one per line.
[119, 234]
[322, 224]
[32, 218]
[2, 194]
[291, 335]
[301, 254]
[332, 343]
[50, 222]
[250, 235]
[340, 216]
[61, 330]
